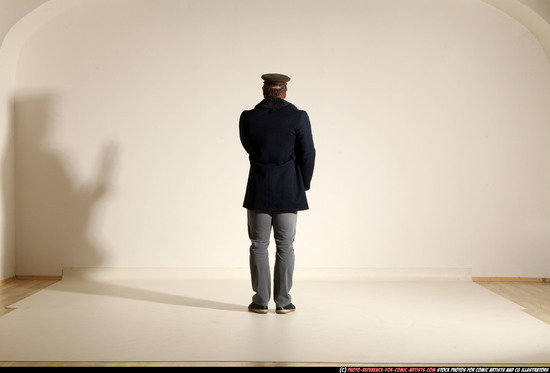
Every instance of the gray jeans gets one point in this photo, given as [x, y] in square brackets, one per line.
[259, 231]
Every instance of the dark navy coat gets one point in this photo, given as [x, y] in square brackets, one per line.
[278, 139]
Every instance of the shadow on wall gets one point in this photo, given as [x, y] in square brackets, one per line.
[52, 211]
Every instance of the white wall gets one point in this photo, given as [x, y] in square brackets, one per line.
[430, 119]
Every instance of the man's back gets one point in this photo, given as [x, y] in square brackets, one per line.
[277, 137]
[270, 131]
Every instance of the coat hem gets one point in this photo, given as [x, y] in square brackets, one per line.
[277, 209]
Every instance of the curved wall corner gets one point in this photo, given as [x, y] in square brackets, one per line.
[13, 11]
[528, 17]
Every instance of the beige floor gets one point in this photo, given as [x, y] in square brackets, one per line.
[428, 315]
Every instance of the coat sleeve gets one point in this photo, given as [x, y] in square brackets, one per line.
[305, 149]
[242, 132]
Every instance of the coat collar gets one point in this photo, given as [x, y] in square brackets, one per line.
[273, 103]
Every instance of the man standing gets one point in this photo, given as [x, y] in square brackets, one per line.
[277, 136]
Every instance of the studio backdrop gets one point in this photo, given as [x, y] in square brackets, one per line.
[431, 121]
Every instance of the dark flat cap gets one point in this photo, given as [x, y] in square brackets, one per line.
[275, 79]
